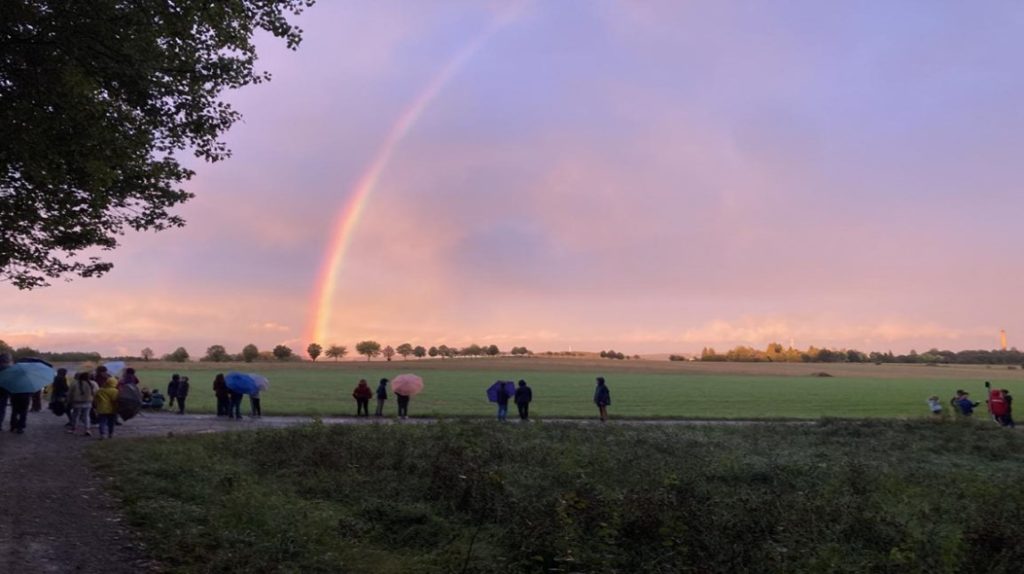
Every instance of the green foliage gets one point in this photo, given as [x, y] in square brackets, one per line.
[314, 350]
[180, 355]
[96, 98]
[388, 352]
[336, 352]
[405, 349]
[282, 352]
[216, 354]
[520, 351]
[146, 354]
[369, 348]
[419, 351]
[481, 497]
[250, 353]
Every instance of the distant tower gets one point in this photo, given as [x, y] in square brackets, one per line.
[1002, 339]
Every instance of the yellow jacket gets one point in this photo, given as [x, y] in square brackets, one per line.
[106, 398]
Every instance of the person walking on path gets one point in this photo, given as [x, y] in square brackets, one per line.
[382, 396]
[602, 398]
[523, 397]
[20, 403]
[80, 397]
[106, 408]
[362, 395]
[403, 405]
[59, 395]
[503, 397]
[183, 388]
[172, 390]
[223, 394]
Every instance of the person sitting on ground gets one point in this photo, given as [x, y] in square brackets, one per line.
[935, 406]
[156, 400]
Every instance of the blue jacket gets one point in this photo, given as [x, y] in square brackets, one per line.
[602, 396]
[382, 391]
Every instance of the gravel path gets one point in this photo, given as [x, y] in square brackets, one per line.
[56, 515]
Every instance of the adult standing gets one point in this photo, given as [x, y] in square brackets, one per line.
[1008, 417]
[602, 398]
[183, 388]
[5, 361]
[80, 397]
[382, 395]
[502, 400]
[59, 394]
[223, 394]
[523, 397]
[235, 407]
[255, 410]
[172, 390]
[362, 395]
[403, 405]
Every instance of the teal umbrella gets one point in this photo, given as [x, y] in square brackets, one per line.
[26, 377]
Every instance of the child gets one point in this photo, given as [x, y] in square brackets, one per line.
[935, 406]
[106, 407]
[80, 397]
[966, 405]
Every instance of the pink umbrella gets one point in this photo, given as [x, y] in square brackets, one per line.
[407, 385]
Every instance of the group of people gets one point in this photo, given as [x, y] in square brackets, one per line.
[363, 393]
[92, 399]
[1000, 405]
[522, 396]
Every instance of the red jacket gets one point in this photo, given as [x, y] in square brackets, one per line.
[996, 402]
[362, 391]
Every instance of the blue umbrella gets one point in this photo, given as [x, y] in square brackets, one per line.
[26, 377]
[492, 391]
[245, 383]
[114, 368]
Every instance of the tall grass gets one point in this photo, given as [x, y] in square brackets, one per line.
[475, 497]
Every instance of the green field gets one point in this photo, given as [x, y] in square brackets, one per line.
[478, 497]
[564, 387]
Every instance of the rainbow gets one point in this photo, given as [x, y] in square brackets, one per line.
[352, 210]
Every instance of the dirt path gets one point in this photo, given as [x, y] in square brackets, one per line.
[56, 515]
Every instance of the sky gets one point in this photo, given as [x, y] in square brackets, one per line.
[647, 176]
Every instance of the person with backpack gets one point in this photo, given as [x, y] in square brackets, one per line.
[996, 404]
[523, 397]
[59, 395]
[80, 396]
[183, 388]
[362, 395]
[172, 390]
[105, 402]
[382, 396]
[602, 398]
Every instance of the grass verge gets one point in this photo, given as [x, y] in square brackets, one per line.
[463, 496]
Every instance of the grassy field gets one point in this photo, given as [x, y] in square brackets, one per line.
[478, 497]
[564, 387]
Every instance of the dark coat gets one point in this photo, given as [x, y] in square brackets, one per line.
[172, 388]
[382, 391]
[362, 392]
[183, 387]
[220, 388]
[524, 395]
[602, 396]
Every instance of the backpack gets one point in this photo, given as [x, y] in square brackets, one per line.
[58, 408]
[996, 402]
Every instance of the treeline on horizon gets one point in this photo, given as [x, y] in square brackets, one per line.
[775, 352]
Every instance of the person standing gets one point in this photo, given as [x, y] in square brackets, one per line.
[106, 408]
[80, 398]
[362, 395]
[403, 405]
[602, 398]
[183, 388]
[235, 406]
[503, 397]
[172, 390]
[223, 394]
[382, 395]
[523, 397]
[5, 361]
[254, 404]
[1008, 417]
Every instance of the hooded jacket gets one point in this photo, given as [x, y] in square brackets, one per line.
[106, 398]
[362, 391]
[82, 392]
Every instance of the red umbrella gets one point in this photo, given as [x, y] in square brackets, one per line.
[407, 385]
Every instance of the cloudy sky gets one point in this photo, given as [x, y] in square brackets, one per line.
[646, 176]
